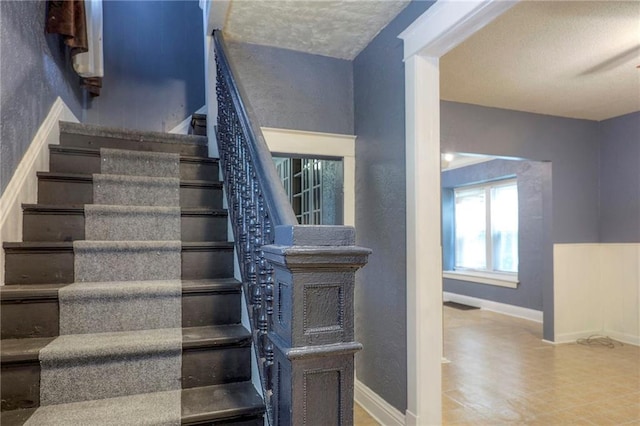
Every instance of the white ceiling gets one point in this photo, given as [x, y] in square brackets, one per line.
[340, 29]
[573, 59]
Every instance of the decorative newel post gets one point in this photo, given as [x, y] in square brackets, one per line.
[312, 323]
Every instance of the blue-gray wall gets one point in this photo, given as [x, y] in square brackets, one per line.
[380, 300]
[571, 145]
[34, 73]
[620, 179]
[154, 65]
[295, 90]
[534, 245]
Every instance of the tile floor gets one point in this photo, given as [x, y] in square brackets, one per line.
[502, 373]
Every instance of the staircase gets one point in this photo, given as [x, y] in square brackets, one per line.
[120, 305]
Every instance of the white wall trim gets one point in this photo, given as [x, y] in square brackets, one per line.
[629, 339]
[442, 27]
[489, 305]
[489, 278]
[448, 23]
[382, 412]
[215, 14]
[287, 141]
[573, 336]
[183, 127]
[23, 186]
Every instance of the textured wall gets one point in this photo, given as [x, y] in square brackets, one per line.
[294, 90]
[534, 253]
[571, 145]
[154, 65]
[380, 210]
[34, 73]
[620, 179]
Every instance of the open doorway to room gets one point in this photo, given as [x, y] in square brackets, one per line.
[574, 132]
[494, 228]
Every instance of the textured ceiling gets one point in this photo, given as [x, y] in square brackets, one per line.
[340, 29]
[566, 58]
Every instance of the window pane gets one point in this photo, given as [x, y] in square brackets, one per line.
[504, 227]
[470, 229]
[314, 187]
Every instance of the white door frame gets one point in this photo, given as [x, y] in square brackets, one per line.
[442, 27]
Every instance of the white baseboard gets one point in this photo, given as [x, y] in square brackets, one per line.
[383, 412]
[628, 339]
[489, 305]
[573, 336]
[183, 127]
[23, 187]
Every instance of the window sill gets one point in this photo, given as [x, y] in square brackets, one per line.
[497, 279]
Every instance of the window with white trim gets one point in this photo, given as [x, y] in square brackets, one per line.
[486, 227]
[314, 188]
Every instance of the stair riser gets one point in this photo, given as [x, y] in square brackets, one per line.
[202, 309]
[70, 227]
[201, 264]
[253, 421]
[20, 385]
[21, 381]
[65, 192]
[40, 318]
[26, 319]
[54, 267]
[41, 226]
[204, 367]
[85, 141]
[89, 163]
[57, 267]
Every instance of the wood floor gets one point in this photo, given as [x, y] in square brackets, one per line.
[502, 373]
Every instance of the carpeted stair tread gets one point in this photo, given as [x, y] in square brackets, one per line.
[202, 405]
[98, 307]
[22, 350]
[158, 408]
[97, 261]
[134, 135]
[37, 247]
[79, 209]
[112, 345]
[96, 152]
[139, 163]
[27, 292]
[209, 285]
[186, 245]
[79, 177]
[136, 190]
[16, 417]
[215, 335]
[117, 222]
[89, 177]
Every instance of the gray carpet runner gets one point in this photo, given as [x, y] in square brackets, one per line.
[117, 223]
[82, 367]
[97, 261]
[120, 306]
[139, 163]
[119, 353]
[158, 409]
[135, 190]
